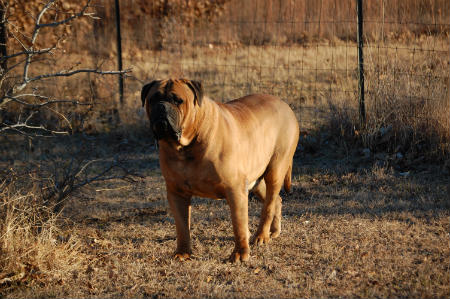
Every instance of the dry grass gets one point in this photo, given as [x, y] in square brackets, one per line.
[33, 247]
[349, 230]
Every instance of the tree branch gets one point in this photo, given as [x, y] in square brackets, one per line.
[38, 105]
[38, 52]
[22, 125]
[67, 20]
[71, 73]
[37, 28]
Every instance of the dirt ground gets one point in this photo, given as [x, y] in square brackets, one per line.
[351, 227]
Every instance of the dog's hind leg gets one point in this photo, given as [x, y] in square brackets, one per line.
[260, 191]
[271, 211]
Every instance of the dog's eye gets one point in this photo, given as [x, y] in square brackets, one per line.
[178, 101]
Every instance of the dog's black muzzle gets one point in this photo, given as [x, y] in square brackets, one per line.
[163, 121]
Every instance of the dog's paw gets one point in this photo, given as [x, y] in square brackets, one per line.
[182, 256]
[240, 255]
[261, 239]
[274, 234]
[275, 229]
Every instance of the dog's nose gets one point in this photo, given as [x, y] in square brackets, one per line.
[159, 113]
[160, 128]
[160, 109]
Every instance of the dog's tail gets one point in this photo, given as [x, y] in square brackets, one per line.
[287, 179]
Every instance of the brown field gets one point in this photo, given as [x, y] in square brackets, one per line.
[369, 213]
[351, 228]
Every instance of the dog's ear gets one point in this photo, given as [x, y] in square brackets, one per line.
[145, 90]
[197, 89]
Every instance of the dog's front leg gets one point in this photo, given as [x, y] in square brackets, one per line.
[238, 202]
[180, 205]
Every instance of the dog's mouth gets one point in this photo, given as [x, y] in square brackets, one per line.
[164, 123]
[162, 129]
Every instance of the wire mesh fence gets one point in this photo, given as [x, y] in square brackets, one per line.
[304, 51]
[301, 50]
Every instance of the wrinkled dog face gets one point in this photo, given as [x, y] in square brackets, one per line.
[164, 113]
[167, 102]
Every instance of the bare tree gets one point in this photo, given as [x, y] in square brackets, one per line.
[26, 72]
[24, 88]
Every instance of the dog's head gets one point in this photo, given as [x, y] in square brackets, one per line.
[171, 107]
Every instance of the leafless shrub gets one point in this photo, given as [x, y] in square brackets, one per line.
[61, 177]
[32, 244]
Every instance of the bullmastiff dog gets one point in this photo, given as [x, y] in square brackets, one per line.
[216, 150]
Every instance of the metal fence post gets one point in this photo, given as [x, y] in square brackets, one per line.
[362, 108]
[3, 53]
[119, 50]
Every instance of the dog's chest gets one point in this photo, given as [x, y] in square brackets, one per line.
[194, 176]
